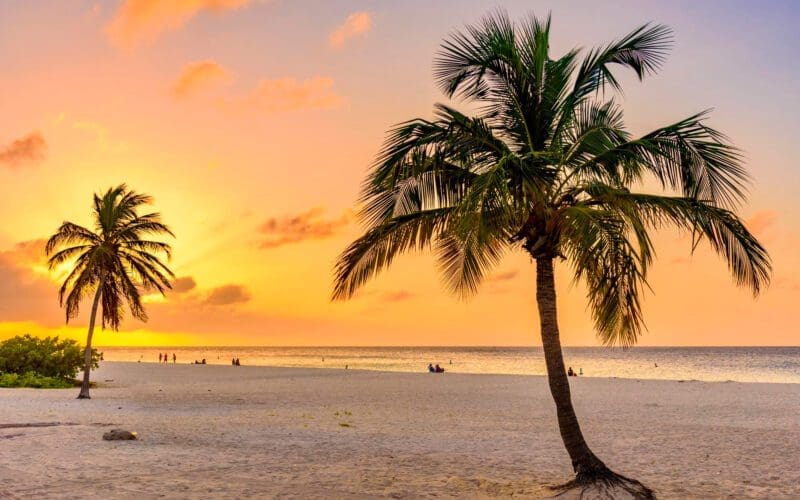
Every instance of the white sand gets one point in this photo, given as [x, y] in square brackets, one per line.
[209, 431]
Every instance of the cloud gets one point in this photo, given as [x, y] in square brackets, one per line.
[143, 21]
[310, 225]
[28, 149]
[759, 222]
[289, 94]
[101, 136]
[356, 24]
[196, 75]
[397, 296]
[227, 295]
[25, 293]
[507, 276]
[183, 284]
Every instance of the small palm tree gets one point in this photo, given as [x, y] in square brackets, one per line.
[547, 167]
[115, 262]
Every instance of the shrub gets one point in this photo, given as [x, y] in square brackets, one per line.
[45, 357]
[31, 379]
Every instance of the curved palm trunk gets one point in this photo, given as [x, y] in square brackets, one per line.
[590, 471]
[584, 462]
[87, 353]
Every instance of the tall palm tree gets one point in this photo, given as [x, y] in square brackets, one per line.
[546, 166]
[115, 262]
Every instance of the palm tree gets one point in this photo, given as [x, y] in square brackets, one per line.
[115, 262]
[547, 167]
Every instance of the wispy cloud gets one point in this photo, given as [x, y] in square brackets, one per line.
[759, 222]
[357, 24]
[290, 94]
[310, 225]
[143, 21]
[25, 150]
[397, 296]
[101, 136]
[227, 295]
[194, 76]
[500, 277]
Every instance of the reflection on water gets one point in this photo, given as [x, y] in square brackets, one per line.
[741, 364]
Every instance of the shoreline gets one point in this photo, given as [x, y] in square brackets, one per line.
[258, 431]
[449, 372]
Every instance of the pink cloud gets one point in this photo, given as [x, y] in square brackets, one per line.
[25, 150]
[142, 21]
[197, 75]
[289, 94]
[310, 225]
[356, 24]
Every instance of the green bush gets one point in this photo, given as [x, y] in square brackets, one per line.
[46, 357]
[31, 379]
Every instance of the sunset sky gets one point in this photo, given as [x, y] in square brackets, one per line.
[253, 122]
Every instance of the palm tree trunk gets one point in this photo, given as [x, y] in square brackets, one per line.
[87, 353]
[584, 462]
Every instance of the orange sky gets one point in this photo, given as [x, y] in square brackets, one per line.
[252, 123]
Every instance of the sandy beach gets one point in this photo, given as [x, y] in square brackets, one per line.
[209, 431]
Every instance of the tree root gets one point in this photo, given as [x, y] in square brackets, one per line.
[604, 484]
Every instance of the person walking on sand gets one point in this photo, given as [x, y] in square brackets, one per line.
[174, 358]
[159, 357]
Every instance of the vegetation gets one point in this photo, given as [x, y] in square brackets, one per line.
[115, 262]
[47, 358]
[31, 379]
[547, 167]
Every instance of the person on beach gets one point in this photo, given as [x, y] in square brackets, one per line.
[238, 363]
[159, 357]
[174, 358]
[439, 369]
[570, 372]
[581, 371]
[430, 368]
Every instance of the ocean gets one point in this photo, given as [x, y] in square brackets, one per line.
[713, 364]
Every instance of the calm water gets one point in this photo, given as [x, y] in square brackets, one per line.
[741, 364]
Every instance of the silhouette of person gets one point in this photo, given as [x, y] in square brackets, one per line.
[159, 357]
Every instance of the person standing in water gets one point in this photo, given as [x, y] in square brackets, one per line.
[174, 358]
